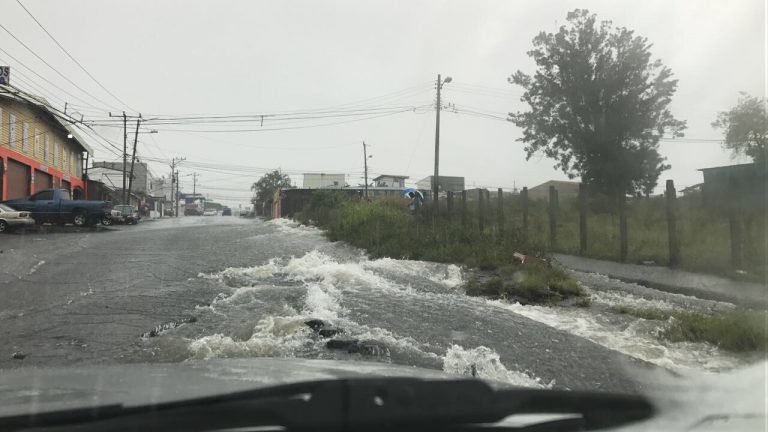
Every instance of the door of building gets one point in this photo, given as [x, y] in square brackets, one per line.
[18, 179]
[43, 180]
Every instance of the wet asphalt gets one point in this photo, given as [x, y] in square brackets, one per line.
[86, 297]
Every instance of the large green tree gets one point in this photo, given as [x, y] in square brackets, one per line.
[266, 186]
[746, 128]
[598, 105]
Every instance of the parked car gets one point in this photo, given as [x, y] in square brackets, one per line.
[125, 214]
[56, 206]
[10, 218]
[226, 212]
[210, 212]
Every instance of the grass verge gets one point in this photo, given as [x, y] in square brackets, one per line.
[737, 331]
[384, 228]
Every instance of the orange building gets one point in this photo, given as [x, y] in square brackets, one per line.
[39, 148]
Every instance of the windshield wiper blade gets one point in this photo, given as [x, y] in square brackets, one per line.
[353, 405]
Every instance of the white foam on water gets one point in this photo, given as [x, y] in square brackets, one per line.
[447, 275]
[292, 227]
[638, 339]
[488, 365]
[272, 337]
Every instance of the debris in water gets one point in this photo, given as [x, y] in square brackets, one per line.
[18, 355]
[523, 258]
[323, 328]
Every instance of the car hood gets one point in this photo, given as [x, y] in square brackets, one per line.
[33, 390]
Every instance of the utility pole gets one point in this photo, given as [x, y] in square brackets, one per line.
[365, 161]
[125, 149]
[194, 183]
[436, 177]
[133, 156]
[175, 182]
[177, 193]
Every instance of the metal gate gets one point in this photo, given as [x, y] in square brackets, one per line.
[43, 180]
[66, 185]
[18, 179]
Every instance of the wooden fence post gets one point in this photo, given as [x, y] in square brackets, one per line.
[500, 214]
[734, 223]
[450, 205]
[674, 244]
[524, 204]
[583, 204]
[464, 208]
[553, 204]
[623, 230]
[480, 210]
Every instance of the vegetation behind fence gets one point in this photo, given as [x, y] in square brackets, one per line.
[474, 229]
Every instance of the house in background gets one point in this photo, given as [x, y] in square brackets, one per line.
[565, 190]
[38, 150]
[390, 181]
[735, 186]
[324, 181]
[445, 184]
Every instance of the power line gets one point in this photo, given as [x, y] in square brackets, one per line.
[46, 79]
[52, 68]
[71, 57]
[283, 128]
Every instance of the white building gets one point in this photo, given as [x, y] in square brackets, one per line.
[324, 181]
[390, 181]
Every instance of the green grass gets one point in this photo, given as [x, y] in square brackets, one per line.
[737, 331]
[529, 283]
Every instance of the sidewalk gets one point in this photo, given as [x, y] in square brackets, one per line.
[748, 294]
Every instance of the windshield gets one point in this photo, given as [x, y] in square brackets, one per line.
[560, 196]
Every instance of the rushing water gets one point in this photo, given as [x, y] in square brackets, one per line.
[415, 313]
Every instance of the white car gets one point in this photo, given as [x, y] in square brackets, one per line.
[10, 218]
[210, 213]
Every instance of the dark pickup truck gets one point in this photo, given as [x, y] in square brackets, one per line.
[56, 206]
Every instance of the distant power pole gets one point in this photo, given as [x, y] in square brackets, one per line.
[436, 177]
[194, 183]
[125, 149]
[177, 193]
[365, 162]
[133, 157]
[175, 182]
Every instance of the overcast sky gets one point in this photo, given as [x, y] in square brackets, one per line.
[170, 58]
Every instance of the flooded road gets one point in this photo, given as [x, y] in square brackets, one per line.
[218, 287]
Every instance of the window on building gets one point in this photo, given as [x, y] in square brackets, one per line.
[47, 150]
[12, 131]
[36, 151]
[64, 161]
[55, 154]
[25, 137]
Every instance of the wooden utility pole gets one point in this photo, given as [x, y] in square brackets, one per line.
[436, 177]
[125, 149]
[500, 213]
[553, 206]
[365, 162]
[582, 218]
[674, 244]
[175, 182]
[194, 183]
[524, 204]
[133, 158]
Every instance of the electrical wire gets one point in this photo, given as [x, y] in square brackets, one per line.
[72, 57]
[51, 67]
